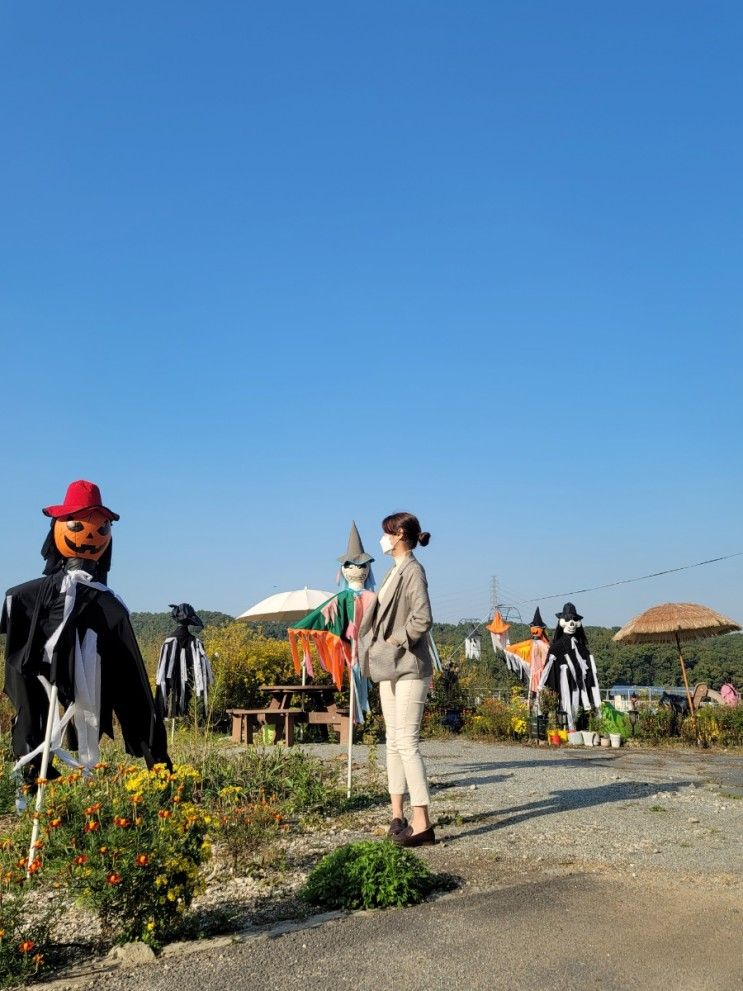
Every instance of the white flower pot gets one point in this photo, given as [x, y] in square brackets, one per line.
[575, 738]
[590, 739]
[616, 740]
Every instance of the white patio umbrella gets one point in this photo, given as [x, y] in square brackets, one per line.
[283, 607]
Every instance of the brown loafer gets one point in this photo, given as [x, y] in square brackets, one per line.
[396, 826]
[407, 837]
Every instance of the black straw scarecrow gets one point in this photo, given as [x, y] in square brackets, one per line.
[183, 669]
[570, 670]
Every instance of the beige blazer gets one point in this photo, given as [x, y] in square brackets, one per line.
[393, 637]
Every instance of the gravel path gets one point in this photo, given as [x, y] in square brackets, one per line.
[676, 810]
[584, 856]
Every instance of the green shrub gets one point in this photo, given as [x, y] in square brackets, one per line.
[7, 784]
[494, 718]
[243, 660]
[368, 875]
[654, 725]
[716, 726]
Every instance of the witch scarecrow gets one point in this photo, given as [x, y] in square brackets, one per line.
[570, 669]
[69, 639]
[183, 669]
[534, 652]
[333, 627]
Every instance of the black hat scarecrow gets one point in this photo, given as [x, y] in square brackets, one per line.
[183, 669]
[69, 636]
[570, 670]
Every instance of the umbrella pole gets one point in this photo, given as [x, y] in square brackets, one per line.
[692, 710]
[42, 776]
[351, 708]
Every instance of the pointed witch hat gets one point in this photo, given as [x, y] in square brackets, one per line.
[355, 553]
[498, 624]
[537, 620]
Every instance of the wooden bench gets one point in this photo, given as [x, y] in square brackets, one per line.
[244, 721]
[337, 719]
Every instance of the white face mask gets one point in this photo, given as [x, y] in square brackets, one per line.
[386, 543]
[355, 574]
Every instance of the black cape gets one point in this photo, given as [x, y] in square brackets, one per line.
[31, 613]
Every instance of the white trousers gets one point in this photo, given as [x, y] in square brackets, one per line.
[402, 708]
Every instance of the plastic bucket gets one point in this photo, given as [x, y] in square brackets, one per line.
[590, 739]
[575, 738]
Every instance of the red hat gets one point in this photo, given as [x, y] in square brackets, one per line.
[80, 495]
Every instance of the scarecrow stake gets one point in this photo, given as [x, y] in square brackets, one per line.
[351, 709]
[42, 776]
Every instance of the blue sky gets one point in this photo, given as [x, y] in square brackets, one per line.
[268, 267]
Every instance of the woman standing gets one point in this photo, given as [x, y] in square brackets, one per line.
[397, 654]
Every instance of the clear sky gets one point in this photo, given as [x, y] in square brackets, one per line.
[268, 267]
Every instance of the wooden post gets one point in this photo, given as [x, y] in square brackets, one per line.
[43, 771]
[692, 710]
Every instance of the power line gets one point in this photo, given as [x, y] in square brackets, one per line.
[628, 581]
[595, 588]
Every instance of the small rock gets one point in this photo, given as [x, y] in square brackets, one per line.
[693, 820]
[473, 787]
[132, 954]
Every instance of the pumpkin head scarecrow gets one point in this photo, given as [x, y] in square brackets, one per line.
[183, 669]
[69, 636]
[570, 669]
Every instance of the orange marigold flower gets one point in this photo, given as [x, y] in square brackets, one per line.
[91, 825]
[141, 860]
[113, 878]
[121, 821]
[35, 866]
[138, 821]
[26, 946]
[38, 959]
[92, 809]
[80, 859]
[55, 823]
[21, 862]
[137, 799]
[103, 849]
[165, 813]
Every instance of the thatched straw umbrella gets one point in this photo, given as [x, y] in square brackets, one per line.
[672, 623]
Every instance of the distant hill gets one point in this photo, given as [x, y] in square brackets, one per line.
[150, 626]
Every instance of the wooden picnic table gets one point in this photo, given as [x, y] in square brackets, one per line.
[281, 695]
[279, 712]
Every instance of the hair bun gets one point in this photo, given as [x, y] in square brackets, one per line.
[423, 538]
